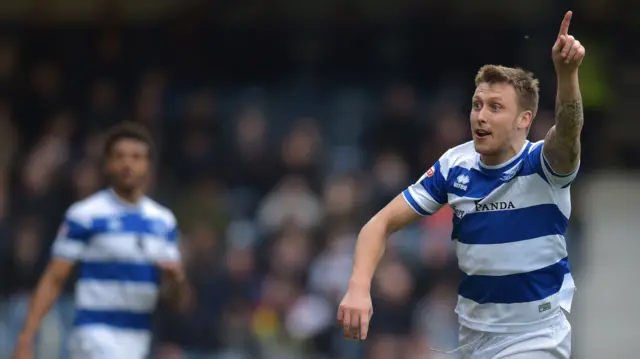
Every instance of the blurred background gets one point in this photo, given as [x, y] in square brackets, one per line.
[283, 126]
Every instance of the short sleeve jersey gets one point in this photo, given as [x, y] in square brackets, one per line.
[116, 247]
[508, 227]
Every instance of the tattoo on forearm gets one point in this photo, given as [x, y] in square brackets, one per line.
[569, 117]
[563, 142]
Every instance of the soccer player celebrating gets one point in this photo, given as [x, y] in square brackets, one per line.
[511, 202]
[125, 246]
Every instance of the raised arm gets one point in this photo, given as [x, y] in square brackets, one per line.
[562, 142]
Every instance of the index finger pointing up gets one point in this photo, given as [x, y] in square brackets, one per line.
[564, 27]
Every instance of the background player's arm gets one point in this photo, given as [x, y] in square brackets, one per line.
[562, 142]
[46, 293]
[67, 249]
[175, 288]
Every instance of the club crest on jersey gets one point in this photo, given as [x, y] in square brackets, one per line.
[114, 224]
[431, 172]
[462, 182]
[158, 228]
[509, 174]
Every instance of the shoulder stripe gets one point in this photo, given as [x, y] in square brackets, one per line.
[413, 203]
[74, 231]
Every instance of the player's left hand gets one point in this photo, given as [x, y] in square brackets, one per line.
[567, 52]
[23, 350]
[172, 269]
[175, 287]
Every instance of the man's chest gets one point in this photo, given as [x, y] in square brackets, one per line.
[473, 192]
[463, 206]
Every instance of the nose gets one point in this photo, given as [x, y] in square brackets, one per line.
[127, 165]
[482, 115]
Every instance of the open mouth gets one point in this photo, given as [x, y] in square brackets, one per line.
[482, 133]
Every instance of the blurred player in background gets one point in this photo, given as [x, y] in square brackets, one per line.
[125, 246]
[511, 206]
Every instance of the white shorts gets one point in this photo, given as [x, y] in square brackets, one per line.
[553, 342]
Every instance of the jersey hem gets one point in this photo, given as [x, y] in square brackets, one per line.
[512, 328]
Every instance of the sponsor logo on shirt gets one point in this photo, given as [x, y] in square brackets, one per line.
[459, 213]
[494, 206]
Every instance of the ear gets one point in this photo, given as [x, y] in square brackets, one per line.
[525, 119]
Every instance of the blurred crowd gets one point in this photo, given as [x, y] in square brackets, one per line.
[269, 221]
[270, 183]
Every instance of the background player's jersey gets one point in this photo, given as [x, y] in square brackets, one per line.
[509, 225]
[116, 246]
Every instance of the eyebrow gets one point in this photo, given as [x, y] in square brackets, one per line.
[494, 97]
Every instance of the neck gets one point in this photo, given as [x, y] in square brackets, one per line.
[132, 196]
[504, 155]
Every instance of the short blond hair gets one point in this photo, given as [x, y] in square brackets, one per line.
[526, 86]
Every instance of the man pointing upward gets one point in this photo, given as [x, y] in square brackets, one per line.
[512, 204]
